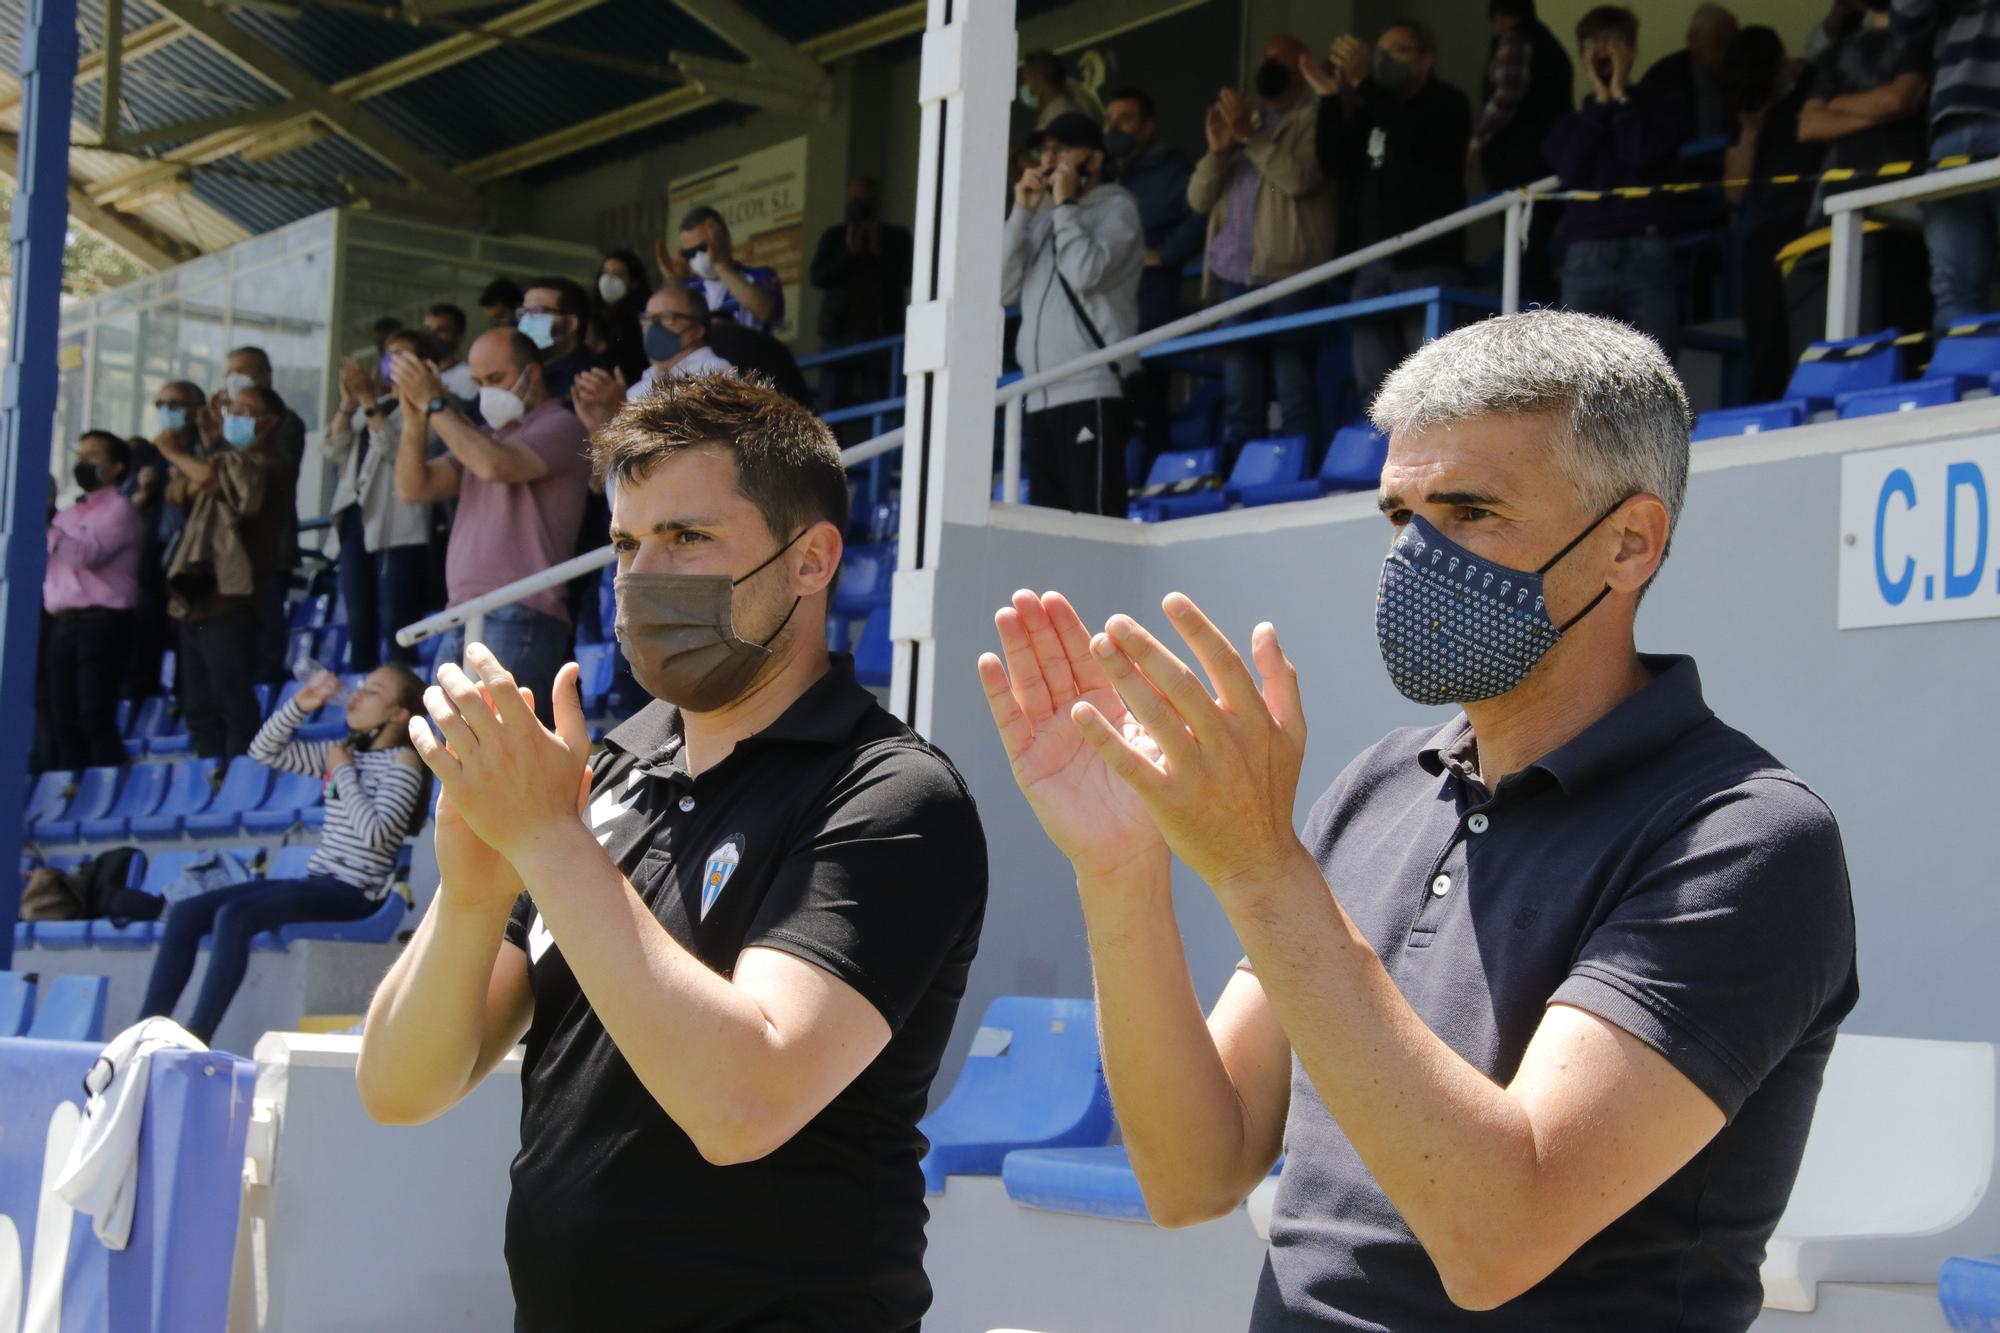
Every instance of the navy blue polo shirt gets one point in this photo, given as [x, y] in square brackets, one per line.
[1661, 871]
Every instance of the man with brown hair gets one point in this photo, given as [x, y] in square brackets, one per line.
[747, 950]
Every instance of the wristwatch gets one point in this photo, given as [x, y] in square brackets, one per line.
[435, 406]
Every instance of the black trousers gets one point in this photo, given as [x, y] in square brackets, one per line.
[86, 664]
[273, 631]
[1146, 400]
[218, 670]
[1074, 455]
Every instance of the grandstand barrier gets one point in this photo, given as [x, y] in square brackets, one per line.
[348, 1224]
[1845, 211]
[173, 1276]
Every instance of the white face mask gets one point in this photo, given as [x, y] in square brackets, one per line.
[502, 407]
[612, 288]
[236, 382]
[703, 266]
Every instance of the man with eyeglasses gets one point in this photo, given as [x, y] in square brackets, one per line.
[750, 294]
[674, 325]
[551, 315]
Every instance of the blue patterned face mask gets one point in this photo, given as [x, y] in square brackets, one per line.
[1455, 628]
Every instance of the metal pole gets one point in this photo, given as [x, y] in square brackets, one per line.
[1010, 452]
[1510, 255]
[28, 406]
[111, 89]
[1843, 276]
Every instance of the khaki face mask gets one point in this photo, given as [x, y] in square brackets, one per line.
[679, 633]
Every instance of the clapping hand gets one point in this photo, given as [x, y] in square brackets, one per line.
[1235, 114]
[1322, 76]
[672, 266]
[416, 382]
[597, 396]
[1352, 57]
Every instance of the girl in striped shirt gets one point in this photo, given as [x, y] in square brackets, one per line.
[375, 787]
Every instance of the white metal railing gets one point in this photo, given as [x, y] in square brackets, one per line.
[1513, 204]
[1844, 212]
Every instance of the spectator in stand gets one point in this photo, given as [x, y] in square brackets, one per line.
[1394, 136]
[1766, 100]
[1865, 104]
[1157, 174]
[501, 300]
[237, 533]
[675, 330]
[90, 592]
[1046, 90]
[1618, 262]
[278, 520]
[1527, 90]
[1270, 215]
[552, 317]
[1070, 258]
[622, 289]
[1963, 231]
[446, 325]
[862, 269]
[384, 540]
[1693, 72]
[749, 294]
[1843, 17]
[375, 789]
[177, 412]
[520, 483]
[145, 485]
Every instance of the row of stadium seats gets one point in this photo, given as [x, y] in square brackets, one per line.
[71, 1008]
[194, 797]
[154, 873]
[1185, 483]
[1857, 377]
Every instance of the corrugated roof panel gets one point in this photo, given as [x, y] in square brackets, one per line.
[335, 44]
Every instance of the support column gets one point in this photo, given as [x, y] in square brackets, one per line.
[28, 406]
[952, 344]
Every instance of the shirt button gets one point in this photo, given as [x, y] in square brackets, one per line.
[1441, 885]
[1477, 823]
[687, 804]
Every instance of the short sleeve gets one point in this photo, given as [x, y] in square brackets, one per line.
[520, 921]
[561, 442]
[887, 883]
[1734, 943]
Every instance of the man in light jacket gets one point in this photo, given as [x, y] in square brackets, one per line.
[1270, 215]
[1073, 253]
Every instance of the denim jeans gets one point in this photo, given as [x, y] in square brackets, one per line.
[1251, 370]
[1379, 345]
[1963, 231]
[218, 697]
[236, 915]
[1629, 278]
[383, 591]
[531, 645]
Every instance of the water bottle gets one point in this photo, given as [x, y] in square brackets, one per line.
[306, 668]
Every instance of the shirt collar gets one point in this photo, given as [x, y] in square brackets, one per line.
[826, 714]
[1667, 708]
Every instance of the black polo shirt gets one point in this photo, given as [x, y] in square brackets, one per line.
[1660, 871]
[837, 835]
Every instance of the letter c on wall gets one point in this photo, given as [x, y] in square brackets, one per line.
[1894, 590]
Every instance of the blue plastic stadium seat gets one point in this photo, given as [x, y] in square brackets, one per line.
[377, 928]
[1032, 1080]
[1722, 422]
[313, 816]
[133, 934]
[1096, 1182]
[244, 785]
[62, 934]
[1353, 462]
[95, 790]
[147, 718]
[294, 862]
[875, 654]
[279, 810]
[144, 788]
[298, 647]
[71, 1009]
[1272, 462]
[312, 612]
[46, 798]
[598, 663]
[866, 573]
[1905, 397]
[1969, 1291]
[163, 868]
[24, 934]
[17, 1003]
[190, 787]
[1175, 476]
[331, 648]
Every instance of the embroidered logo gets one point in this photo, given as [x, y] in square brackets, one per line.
[715, 876]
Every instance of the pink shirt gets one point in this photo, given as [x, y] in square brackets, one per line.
[94, 550]
[503, 533]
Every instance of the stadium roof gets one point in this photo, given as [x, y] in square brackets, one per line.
[238, 116]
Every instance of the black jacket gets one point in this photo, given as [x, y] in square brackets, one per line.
[1415, 172]
[1514, 155]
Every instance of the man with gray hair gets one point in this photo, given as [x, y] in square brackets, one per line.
[1512, 1006]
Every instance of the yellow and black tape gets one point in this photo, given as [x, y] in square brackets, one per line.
[1886, 171]
[1855, 351]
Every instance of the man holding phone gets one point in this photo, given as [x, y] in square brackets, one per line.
[1074, 249]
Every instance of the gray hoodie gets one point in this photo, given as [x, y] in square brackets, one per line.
[1099, 244]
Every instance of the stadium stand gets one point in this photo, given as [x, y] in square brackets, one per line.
[71, 1008]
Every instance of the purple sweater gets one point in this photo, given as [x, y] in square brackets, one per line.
[1601, 145]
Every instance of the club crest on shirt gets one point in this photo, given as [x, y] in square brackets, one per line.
[715, 876]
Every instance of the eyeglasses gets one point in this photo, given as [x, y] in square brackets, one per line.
[665, 321]
[536, 310]
[690, 251]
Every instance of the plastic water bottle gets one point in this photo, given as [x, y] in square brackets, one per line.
[306, 668]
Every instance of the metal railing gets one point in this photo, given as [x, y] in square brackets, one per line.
[1176, 335]
[1845, 210]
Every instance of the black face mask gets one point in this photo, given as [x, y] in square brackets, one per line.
[358, 741]
[1273, 80]
[87, 475]
[860, 210]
